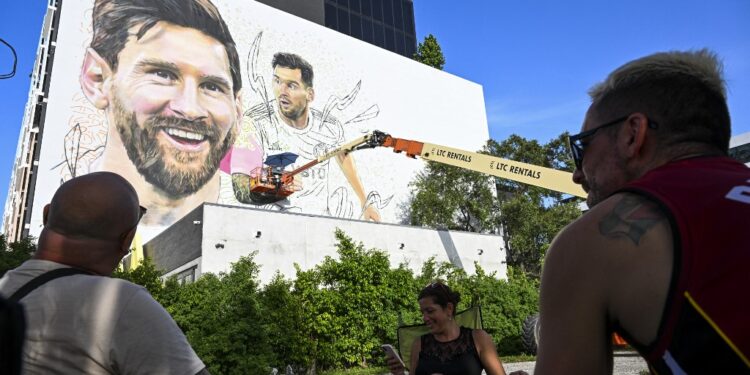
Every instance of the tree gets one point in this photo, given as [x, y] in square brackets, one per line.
[452, 198]
[531, 216]
[351, 305]
[221, 318]
[429, 53]
[528, 217]
[12, 255]
[145, 275]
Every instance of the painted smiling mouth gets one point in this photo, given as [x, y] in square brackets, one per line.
[184, 136]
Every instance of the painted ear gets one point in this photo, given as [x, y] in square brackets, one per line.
[310, 94]
[238, 105]
[94, 73]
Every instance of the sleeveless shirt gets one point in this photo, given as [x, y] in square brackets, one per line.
[705, 326]
[455, 357]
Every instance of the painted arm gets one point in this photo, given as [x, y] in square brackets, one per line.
[346, 162]
[487, 353]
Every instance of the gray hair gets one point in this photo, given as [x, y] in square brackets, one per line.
[684, 92]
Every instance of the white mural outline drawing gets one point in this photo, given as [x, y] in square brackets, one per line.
[338, 200]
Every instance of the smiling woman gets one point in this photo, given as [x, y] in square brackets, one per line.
[448, 348]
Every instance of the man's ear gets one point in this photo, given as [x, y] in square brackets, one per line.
[45, 213]
[310, 94]
[636, 127]
[128, 241]
[94, 74]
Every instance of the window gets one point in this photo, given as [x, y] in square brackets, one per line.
[388, 12]
[378, 35]
[410, 47]
[331, 16]
[366, 8]
[343, 21]
[367, 30]
[356, 25]
[354, 5]
[409, 18]
[398, 18]
[377, 9]
[187, 276]
[399, 43]
[344, 3]
[390, 43]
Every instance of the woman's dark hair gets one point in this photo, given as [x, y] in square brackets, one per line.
[441, 294]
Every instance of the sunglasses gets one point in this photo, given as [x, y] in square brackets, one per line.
[576, 141]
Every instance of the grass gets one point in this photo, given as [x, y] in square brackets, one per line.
[358, 371]
[517, 358]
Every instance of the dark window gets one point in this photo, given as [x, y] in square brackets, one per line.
[410, 47]
[343, 21]
[399, 43]
[187, 276]
[409, 18]
[378, 34]
[388, 12]
[331, 16]
[390, 43]
[367, 30]
[377, 9]
[366, 8]
[398, 18]
[356, 24]
[344, 3]
[354, 5]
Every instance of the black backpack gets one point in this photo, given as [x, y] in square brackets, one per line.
[13, 321]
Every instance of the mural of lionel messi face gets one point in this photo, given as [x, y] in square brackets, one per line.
[170, 85]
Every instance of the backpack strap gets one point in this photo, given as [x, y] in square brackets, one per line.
[43, 279]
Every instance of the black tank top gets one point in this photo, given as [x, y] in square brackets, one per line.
[455, 357]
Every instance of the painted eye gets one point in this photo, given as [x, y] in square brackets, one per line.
[164, 74]
[210, 86]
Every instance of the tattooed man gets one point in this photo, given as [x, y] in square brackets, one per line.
[662, 257]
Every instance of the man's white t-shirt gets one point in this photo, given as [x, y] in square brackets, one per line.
[84, 324]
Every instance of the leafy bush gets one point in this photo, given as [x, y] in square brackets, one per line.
[334, 316]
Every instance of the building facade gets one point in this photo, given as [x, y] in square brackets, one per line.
[387, 24]
[212, 237]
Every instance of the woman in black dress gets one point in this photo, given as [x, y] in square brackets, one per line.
[448, 349]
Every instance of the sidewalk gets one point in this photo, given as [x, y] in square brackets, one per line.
[626, 363]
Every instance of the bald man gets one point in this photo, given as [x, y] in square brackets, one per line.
[84, 322]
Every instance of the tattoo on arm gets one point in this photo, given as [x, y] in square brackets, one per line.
[632, 217]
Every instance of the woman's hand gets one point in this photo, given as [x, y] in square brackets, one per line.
[394, 364]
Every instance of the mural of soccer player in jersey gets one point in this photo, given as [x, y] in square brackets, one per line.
[287, 123]
[167, 76]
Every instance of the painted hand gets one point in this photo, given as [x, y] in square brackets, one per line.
[371, 213]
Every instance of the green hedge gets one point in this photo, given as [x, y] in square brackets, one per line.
[334, 316]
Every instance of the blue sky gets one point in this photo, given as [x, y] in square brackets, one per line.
[535, 59]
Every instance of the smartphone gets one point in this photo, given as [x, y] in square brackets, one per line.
[389, 349]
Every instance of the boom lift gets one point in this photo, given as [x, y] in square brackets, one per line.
[271, 183]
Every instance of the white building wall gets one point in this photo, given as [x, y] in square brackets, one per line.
[286, 239]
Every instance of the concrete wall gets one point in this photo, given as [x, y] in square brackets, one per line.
[180, 244]
[283, 239]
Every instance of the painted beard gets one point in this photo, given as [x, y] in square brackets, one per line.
[150, 156]
[292, 112]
